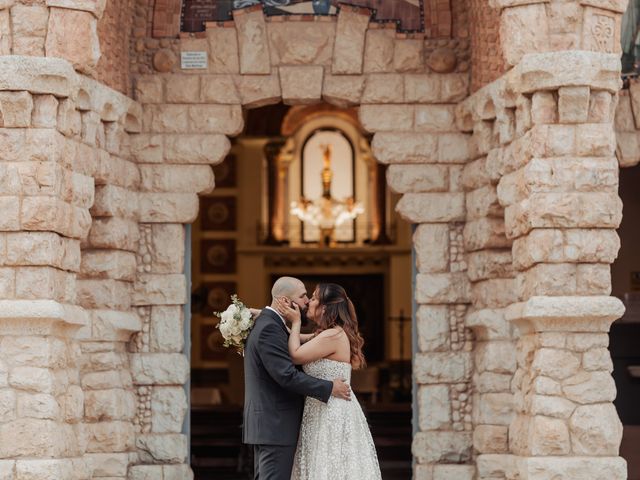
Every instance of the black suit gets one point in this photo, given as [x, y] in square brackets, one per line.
[274, 394]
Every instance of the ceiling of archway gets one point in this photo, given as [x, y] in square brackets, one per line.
[408, 14]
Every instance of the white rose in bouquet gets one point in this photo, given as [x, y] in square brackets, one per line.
[235, 324]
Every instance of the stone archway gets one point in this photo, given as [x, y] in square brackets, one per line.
[412, 115]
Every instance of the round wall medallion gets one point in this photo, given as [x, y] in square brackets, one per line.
[442, 60]
[164, 60]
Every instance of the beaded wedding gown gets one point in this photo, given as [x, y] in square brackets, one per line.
[335, 442]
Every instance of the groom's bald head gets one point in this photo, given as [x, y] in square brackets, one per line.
[292, 289]
[286, 287]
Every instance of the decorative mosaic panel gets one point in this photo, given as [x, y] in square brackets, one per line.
[408, 14]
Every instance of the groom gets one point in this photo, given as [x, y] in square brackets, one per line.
[275, 388]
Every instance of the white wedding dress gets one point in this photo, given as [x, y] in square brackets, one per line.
[335, 442]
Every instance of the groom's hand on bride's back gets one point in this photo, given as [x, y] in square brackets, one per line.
[341, 390]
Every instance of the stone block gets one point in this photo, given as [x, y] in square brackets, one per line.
[597, 359]
[434, 407]
[483, 202]
[115, 264]
[596, 430]
[194, 149]
[387, 118]
[486, 264]
[111, 436]
[350, 42]
[379, 50]
[544, 108]
[109, 464]
[343, 90]
[108, 294]
[167, 448]
[593, 279]
[253, 42]
[527, 26]
[624, 120]
[149, 89]
[556, 246]
[219, 89]
[176, 178]
[182, 89]
[223, 50]
[433, 327]
[168, 408]
[442, 367]
[16, 109]
[5, 34]
[33, 379]
[496, 357]
[408, 55]
[37, 75]
[454, 148]
[29, 20]
[45, 111]
[166, 248]
[177, 472]
[493, 293]
[573, 104]
[146, 472]
[601, 107]
[168, 207]
[564, 210]
[459, 472]
[551, 406]
[593, 468]
[493, 408]
[314, 46]
[10, 206]
[106, 405]
[432, 207]
[432, 447]
[259, 90]
[555, 363]
[489, 324]
[628, 148]
[301, 84]
[418, 178]
[589, 387]
[552, 70]
[114, 232]
[491, 438]
[485, 233]
[435, 118]
[595, 140]
[436, 288]
[169, 118]
[225, 119]
[548, 436]
[404, 147]
[431, 242]
[428, 88]
[152, 289]
[166, 330]
[73, 35]
[43, 469]
[383, 88]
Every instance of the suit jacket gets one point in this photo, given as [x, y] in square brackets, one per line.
[274, 387]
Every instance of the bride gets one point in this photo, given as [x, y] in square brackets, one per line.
[335, 442]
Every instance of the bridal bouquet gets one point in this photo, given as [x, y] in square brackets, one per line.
[235, 324]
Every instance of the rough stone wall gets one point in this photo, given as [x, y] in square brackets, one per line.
[487, 62]
[547, 242]
[627, 126]
[66, 394]
[114, 32]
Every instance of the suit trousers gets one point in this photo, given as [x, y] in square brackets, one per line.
[273, 462]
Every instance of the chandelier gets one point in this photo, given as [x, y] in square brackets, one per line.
[326, 213]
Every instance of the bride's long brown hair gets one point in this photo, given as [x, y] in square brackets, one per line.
[338, 311]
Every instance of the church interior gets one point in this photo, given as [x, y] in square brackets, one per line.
[300, 194]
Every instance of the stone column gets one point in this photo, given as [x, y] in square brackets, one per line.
[107, 273]
[492, 279]
[562, 209]
[185, 133]
[45, 203]
[426, 151]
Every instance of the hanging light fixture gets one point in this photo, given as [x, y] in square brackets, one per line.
[326, 213]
